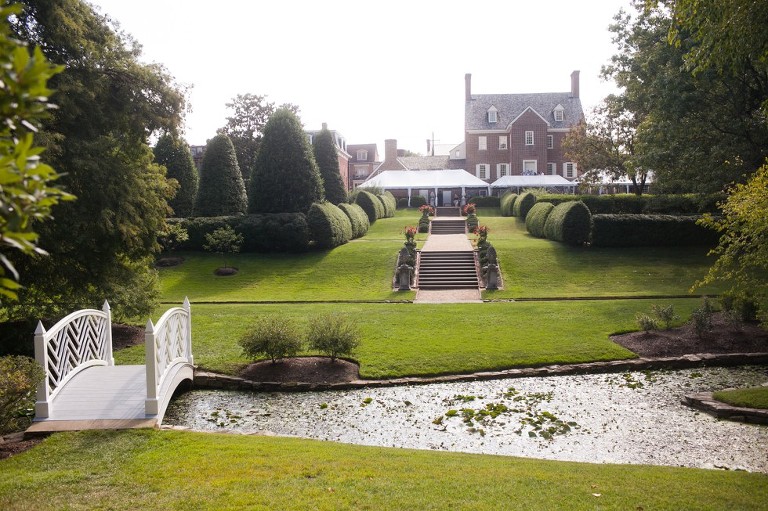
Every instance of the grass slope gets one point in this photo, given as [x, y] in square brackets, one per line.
[750, 398]
[429, 339]
[181, 470]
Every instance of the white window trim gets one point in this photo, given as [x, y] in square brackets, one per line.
[558, 115]
[527, 135]
[535, 166]
[484, 167]
[573, 170]
[550, 141]
[362, 155]
[482, 143]
[502, 167]
[493, 117]
[503, 145]
[552, 169]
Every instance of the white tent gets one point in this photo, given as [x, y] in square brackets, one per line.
[432, 180]
[537, 181]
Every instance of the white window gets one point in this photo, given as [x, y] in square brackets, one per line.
[310, 137]
[482, 143]
[569, 170]
[457, 153]
[502, 169]
[528, 138]
[559, 113]
[550, 141]
[361, 171]
[362, 155]
[482, 171]
[502, 141]
[492, 115]
[552, 169]
[529, 167]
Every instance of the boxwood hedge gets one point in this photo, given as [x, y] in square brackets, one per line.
[649, 231]
[390, 204]
[485, 202]
[371, 204]
[507, 203]
[523, 205]
[569, 222]
[680, 204]
[357, 218]
[329, 226]
[273, 232]
[537, 218]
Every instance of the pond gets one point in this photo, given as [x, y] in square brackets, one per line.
[634, 418]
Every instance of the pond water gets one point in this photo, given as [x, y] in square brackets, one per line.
[632, 418]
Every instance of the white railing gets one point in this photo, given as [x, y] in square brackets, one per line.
[168, 344]
[80, 340]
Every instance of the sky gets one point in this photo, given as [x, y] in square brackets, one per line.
[371, 70]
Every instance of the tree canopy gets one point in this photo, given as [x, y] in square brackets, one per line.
[328, 164]
[173, 153]
[286, 177]
[102, 245]
[222, 191]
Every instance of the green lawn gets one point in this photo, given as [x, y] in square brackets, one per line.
[750, 398]
[149, 469]
[428, 339]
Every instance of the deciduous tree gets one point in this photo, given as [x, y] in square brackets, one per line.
[286, 178]
[173, 153]
[222, 191]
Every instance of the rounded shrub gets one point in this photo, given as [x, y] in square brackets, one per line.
[418, 201]
[19, 377]
[371, 204]
[272, 336]
[357, 218]
[333, 335]
[507, 202]
[537, 218]
[389, 202]
[523, 205]
[569, 222]
[329, 226]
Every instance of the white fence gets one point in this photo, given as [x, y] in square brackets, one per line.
[80, 340]
[168, 352]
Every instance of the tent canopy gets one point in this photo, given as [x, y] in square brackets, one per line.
[422, 179]
[538, 181]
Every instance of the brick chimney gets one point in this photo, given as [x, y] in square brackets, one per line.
[468, 87]
[390, 150]
[575, 84]
[325, 126]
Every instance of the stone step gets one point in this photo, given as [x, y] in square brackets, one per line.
[447, 270]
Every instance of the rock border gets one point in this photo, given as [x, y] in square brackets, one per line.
[705, 402]
[215, 381]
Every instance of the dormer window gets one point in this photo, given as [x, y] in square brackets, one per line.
[493, 115]
[362, 155]
[559, 113]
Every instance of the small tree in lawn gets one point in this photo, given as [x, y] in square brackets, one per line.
[272, 336]
[223, 240]
[328, 164]
[333, 335]
[222, 191]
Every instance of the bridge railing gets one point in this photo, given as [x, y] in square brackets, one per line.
[168, 344]
[80, 340]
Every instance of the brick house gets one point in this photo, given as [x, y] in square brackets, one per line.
[519, 134]
[363, 160]
[341, 151]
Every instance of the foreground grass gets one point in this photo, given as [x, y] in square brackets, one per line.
[750, 398]
[429, 339]
[181, 470]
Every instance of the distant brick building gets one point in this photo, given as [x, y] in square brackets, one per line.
[363, 160]
[519, 134]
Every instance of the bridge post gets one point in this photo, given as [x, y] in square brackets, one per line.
[108, 353]
[150, 403]
[188, 340]
[42, 406]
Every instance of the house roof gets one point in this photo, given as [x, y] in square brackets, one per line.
[538, 181]
[445, 178]
[425, 162]
[511, 106]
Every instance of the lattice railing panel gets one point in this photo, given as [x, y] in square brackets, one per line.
[170, 342]
[80, 340]
[167, 344]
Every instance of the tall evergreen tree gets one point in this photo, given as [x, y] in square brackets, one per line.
[103, 244]
[328, 164]
[222, 191]
[286, 178]
[173, 153]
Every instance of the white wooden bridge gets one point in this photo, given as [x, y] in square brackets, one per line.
[84, 389]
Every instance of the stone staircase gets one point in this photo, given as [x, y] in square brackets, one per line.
[453, 226]
[447, 270]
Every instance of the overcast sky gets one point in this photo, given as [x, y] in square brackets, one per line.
[371, 70]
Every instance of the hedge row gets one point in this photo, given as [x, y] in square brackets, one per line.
[329, 226]
[485, 202]
[371, 204]
[649, 231]
[537, 218]
[277, 232]
[523, 205]
[389, 202]
[569, 222]
[507, 203]
[357, 218]
[685, 204]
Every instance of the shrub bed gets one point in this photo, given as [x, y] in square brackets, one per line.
[507, 203]
[523, 205]
[329, 226]
[680, 204]
[269, 232]
[485, 202]
[371, 204]
[357, 218]
[649, 231]
[569, 222]
[537, 218]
